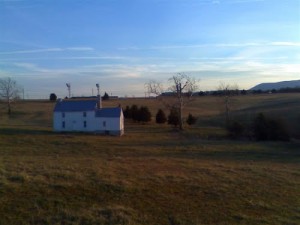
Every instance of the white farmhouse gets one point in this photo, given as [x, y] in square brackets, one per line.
[87, 116]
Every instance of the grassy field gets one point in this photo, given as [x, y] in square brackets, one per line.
[151, 175]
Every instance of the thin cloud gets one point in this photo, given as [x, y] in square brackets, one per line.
[243, 1]
[238, 58]
[215, 2]
[32, 51]
[283, 43]
[11, 1]
[89, 49]
[68, 58]
[111, 70]
[80, 49]
[47, 50]
[216, 45]
[91, 58]
[218, 69]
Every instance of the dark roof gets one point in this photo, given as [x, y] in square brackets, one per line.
[109, 112]
[86, 105]
[74, 106]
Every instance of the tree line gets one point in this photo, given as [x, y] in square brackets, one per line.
[261, 128]
[245, 92]
[182, 88]
[143, 114]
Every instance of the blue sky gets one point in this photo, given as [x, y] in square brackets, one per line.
[121, 44]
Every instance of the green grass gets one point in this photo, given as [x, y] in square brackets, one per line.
[151, 175]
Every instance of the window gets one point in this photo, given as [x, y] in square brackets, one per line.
[104, 123]
[84, 114]
[63, 115]
[84, 123]
[63, 124]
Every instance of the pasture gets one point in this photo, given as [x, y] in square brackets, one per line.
[153, 174]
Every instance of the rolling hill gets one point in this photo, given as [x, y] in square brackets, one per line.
[277, 85]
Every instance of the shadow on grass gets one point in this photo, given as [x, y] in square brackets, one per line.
[281, 152]
[35, 131]
[275, 155]
[31, 131]
[251, 156]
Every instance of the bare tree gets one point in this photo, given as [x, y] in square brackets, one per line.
[9, 91]
[182, 87]
[227, 91]
[154, 87]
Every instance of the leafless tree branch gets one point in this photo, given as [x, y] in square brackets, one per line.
[9, 91]
[182, 86]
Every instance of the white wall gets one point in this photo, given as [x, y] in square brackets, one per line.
[74, 121]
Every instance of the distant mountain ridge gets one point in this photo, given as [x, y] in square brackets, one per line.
[277, 85]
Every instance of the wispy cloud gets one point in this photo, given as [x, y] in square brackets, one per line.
[11, 1]
[243, 1]
[215, 2]
[216, 45]
[87, 58]
[137, 70]
[286, 43]
[237, 69]
[236, 58]
[30, 51]
[111, 70]
[80, 49]
[162, 47]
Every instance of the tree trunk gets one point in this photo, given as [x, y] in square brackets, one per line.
[227, 110]
[9, 108]
[180, 114]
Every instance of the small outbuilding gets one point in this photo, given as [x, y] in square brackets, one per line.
[87, 116]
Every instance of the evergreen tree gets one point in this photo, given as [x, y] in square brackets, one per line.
[191, 119]
[260, 127]
[127, 112]
[270, 129]
[182, 87]
[235, 129]
[144, 114]
[105, 96]
[278, 130]
[53, 97]
[134, 110]
[161, 116]
[174, 118]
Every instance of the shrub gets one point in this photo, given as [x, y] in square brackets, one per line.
[270, 129]
[173, 117]
[134, 110]
[278, 131]
[135, 113]
[235, 129]
[144, 114]
[191, 119]
[127, 112]
[105, 96]
[160, 116]
[260, 128]
[53, 97]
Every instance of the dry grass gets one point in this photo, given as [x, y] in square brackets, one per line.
[152, 175]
